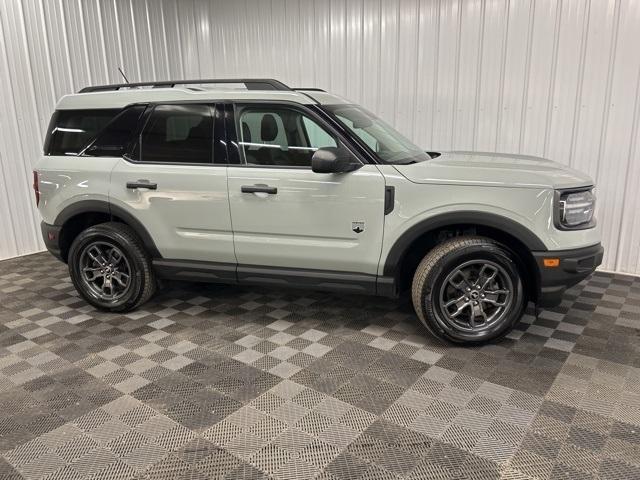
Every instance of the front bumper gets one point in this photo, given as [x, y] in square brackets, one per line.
[51, 237]
[575, 265]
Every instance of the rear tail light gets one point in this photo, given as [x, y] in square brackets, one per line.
[36, 187]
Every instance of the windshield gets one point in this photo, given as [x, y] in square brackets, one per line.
[382, 139]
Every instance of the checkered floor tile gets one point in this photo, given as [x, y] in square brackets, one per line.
[209, 381]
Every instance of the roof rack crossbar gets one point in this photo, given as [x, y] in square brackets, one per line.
[249, 83]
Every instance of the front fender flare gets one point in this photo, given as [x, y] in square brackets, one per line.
[498, 222]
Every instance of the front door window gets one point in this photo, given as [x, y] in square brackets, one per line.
[281, 136]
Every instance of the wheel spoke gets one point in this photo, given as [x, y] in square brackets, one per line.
[462, 283]
[490, 278]
[121, 278]
[92, 273]
[497, 292]
[472, 318]
[455, 300]
[477, 311]
[96, 255]
[460, 306]
[481, 272]
[456, 285]
[493, 299]
[107, 285]
[115, 257]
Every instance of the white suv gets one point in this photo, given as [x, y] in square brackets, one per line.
[205, 181]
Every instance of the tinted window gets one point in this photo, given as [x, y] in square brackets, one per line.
[70, 131]
[178, 133]
[281, 136]
[115, 137]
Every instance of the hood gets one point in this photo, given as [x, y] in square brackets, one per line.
[494, 169]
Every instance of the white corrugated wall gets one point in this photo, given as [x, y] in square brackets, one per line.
[555, 78]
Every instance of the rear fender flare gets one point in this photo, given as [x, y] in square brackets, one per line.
[99, 206]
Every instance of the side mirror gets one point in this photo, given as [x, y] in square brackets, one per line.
[333, 160]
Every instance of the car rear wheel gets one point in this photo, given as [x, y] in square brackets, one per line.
[110, 268]
[468, 290]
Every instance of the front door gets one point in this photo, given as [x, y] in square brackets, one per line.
[285, 215]
[175, 184]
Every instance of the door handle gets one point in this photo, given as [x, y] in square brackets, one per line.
[258, 189]
[142, 184]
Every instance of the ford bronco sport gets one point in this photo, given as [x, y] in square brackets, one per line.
[252, 182]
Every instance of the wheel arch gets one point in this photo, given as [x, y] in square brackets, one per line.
[409, 249]
[86, 213]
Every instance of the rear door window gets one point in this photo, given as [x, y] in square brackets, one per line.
[177, 134]
[115, 137]
[71, 131]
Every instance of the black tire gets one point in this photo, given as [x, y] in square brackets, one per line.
[435, 286]
[141, 283]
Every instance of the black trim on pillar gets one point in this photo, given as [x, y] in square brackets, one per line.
[231, 136]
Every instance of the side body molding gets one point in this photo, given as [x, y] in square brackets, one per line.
[511, 227]
[98, 206]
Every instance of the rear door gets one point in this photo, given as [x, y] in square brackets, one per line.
[174, 181]
[285, 215]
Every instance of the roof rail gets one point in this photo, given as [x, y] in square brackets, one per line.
[310, 89]
[250, 84]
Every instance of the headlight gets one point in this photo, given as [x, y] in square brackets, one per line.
[574, 209]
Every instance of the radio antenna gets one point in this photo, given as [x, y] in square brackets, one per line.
[123, 75]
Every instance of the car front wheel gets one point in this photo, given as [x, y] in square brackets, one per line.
[468, 289]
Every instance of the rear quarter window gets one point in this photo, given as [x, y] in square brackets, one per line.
[70, 131]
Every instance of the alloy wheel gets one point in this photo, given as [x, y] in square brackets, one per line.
[475, 296]
[105, 271]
